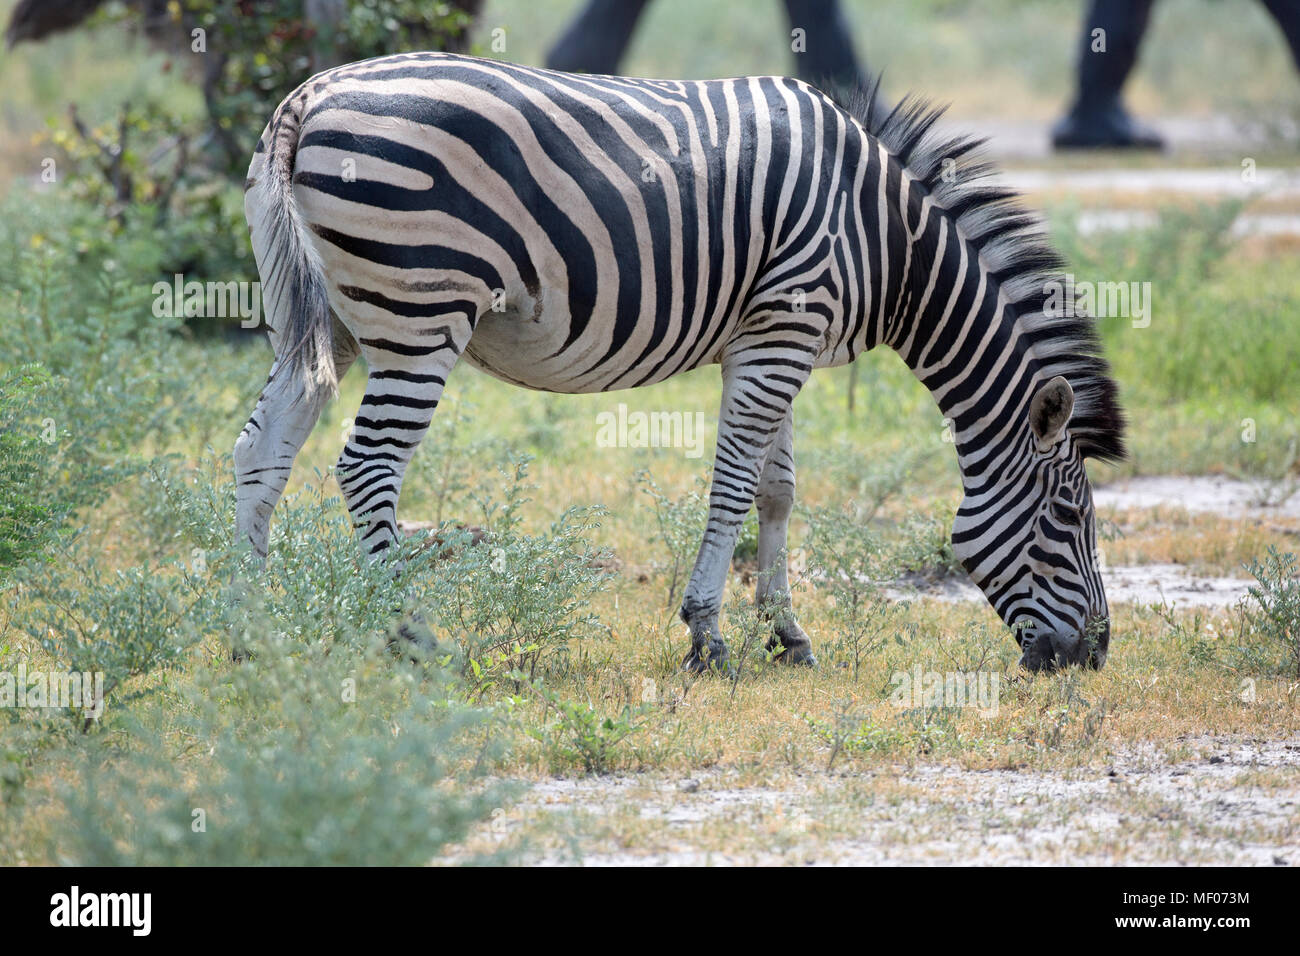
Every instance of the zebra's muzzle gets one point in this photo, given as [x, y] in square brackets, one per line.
[1046, 651]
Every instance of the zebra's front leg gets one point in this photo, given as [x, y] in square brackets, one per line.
[774, 500]
[403, 390]
[756, 400]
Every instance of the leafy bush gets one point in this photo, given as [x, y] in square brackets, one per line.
[107, 166]
[34, 503]
[136, 172]
[451, 469]
[270, 48]
[514, 601]
[883, 476]
[918, 731]
[302, 756]
[679, 524]
[1189, 353]
[83, 305]
[123, 624]
[849, 733]
[924, 545]
[322, 747]
[1274, 618]
[747, 541]
[494, 598]
[752, 625]
[852, 564]
[580, 734]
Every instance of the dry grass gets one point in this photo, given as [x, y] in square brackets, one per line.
[1204, 543]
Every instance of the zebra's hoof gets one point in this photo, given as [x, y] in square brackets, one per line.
[790, 645]
[709, 659]
[801, 655]
[414, 637]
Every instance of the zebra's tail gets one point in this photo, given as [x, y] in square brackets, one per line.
[293, 281]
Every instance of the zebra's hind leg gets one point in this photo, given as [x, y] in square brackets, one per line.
[757, 390]
[774, 500]
[266, 448]
[405, 385]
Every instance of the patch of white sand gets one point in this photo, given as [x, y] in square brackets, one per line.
[1170, 584]
[1138, 809]
[1206, 494]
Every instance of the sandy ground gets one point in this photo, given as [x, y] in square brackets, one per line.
[1108, 194]
[1030, 141]
[1170, 584]
[1210, 494]
[1231, 801]
[1207, 182]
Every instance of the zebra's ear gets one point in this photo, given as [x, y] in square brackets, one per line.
[1049, 412]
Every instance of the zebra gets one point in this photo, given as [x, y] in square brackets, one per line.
[578, 234]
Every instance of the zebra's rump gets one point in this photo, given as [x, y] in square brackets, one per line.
[602, 232]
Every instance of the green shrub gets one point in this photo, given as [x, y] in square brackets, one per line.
[302, 756]
[514, 600]
[924, 544]
[579, 734]
[452, 468]
[1214, 334]
[36, 499]
[746, 550]
[750, 625]
[494, 597]
[122, 624]
[918, 731]
[852, 565]
[83, 305]
[1273, 619]
[269, 49]
[679, 524]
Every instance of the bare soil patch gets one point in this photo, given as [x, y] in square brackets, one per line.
[1215, 494]
[1225, 801]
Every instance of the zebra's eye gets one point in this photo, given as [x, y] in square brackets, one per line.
[1066, 514]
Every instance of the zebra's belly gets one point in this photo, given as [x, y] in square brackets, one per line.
[529, 350]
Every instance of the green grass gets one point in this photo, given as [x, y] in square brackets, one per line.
[560, 654]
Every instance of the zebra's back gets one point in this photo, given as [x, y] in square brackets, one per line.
[601, 232]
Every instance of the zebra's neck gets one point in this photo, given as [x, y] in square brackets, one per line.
[956, 276]
[950, 322]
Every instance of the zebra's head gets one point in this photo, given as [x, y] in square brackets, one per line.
[1028, 539]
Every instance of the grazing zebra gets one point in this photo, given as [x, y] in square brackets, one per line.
[574, 233]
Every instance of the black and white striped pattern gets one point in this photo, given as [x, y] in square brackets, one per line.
[581, 234]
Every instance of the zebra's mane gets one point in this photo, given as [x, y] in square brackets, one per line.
[1012, 245]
